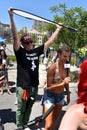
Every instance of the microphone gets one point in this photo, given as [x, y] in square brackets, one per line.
[67, 67]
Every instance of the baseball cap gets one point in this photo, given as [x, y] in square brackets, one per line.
[26, 39]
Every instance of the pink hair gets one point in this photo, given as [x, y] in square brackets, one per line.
[82, 85]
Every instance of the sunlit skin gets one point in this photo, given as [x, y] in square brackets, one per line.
[57, 87]
[62, 72]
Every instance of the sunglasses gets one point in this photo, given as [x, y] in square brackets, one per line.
[28, 42]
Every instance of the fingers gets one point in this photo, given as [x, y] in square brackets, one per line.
[67, 80]
[10, 11]
[59, 26]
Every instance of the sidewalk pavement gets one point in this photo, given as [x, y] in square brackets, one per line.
[8, 107]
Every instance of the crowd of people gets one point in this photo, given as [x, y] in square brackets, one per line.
[57, 81]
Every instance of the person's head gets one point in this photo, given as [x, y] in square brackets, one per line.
[64, 53]
[3, 53]
[82, 85]
[27, 42]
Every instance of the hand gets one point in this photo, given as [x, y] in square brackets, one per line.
[67, 80]
[10, 11]
[59, 26]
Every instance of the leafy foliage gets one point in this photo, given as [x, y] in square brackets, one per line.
[74, 17]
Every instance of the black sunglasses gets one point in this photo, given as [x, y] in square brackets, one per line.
[28, 42]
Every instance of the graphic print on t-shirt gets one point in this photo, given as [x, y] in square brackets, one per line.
[33, 66]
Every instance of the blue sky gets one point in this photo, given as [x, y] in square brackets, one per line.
[38, 7]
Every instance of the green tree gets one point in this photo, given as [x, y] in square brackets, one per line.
[34, 38]
[74, 17]
[45, 38]
[22, 32]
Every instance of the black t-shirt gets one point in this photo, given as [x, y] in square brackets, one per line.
[28, 66]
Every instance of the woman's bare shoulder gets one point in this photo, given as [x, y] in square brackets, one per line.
[53, 66]
[76, 108]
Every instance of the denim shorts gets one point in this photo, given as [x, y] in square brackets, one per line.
[50, 98]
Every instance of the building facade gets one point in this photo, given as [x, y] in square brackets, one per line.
[5, 31]
[38, 34]
[37, 30]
